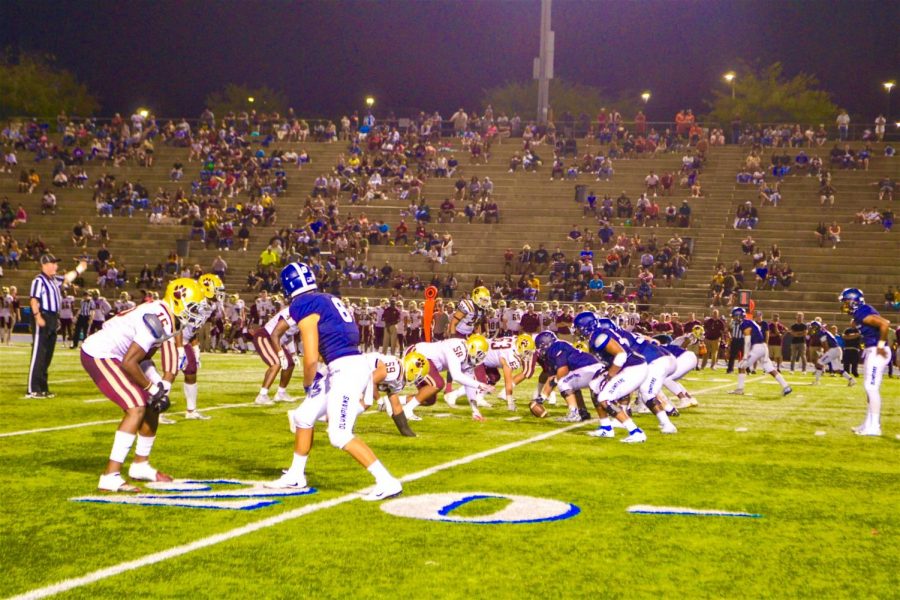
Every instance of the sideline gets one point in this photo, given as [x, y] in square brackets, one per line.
[157, 557]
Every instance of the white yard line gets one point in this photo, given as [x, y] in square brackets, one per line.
[157, 557]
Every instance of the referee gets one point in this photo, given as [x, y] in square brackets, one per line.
[45, 303]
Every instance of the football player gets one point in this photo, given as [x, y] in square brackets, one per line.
[66, 316]
[328, 332]
[388, 378]
[100, 309]
[117, 359]
[123, 303]
[756, 351]
[622, 372]
[276, 346]
[572, 371]
[414, 331]
[468, 318]
[237, 317]
[456, 356]
[6, 319]
[874, 331]
[378, 323]
[189, 346]
[685, 361]
[832, 355]
[505, 356]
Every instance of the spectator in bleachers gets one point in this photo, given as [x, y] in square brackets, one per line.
[826, 194]
[834, 234]
[684, 214]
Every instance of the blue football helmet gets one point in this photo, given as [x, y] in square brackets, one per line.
[738, 313]
[544, 340]
[663, 338]
[297, 278]
[852, 298]
[585, 323]
[814, 327]
[604, 323]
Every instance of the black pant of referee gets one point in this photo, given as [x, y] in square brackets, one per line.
[44, 340]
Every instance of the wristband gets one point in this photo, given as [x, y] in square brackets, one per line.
[148, 386]
[881, 343]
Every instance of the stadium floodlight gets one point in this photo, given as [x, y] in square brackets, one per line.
[143, 112]
[889, 85]
[645, 97]
[730, 76]
[251, 99]
[370, 101]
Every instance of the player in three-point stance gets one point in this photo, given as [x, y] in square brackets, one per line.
[116, 358]
[327, 330]
[755, 351]
[874, 331]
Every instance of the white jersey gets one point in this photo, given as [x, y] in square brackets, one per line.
[123, 305]
[66, 308]
[236, 311]
[493, 325]
[514, 320]
[6, 305]
[129, 328]
[472, 316]
[450, 355]
[688, 339]
[379, 316]
[548, 320]
[363, 317]
[402, 323]
[502, 348]
[264, 308]
[99, 309]
[415, 319]
[394, 381]
[287, 339]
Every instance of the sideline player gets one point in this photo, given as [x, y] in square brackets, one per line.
[755, 351]
[328, 331]
[116, 359]
[832, 355]
[6, 318]
[874, 331]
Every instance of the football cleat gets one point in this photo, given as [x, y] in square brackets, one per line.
[287, 482]
[636, 437]
[851, 383]
[144, 472]
[571, 417]
[602, 432]
[284, 398]
[196, 415]
[384, 490]
[673, 412]
[786, 391]
[114, 482]
[482, 403]
[736, 392]
[584, 415]
[263, 400]
[413, 417]
[668, 428]
[164, 420]
[451, 397]
[687, 403]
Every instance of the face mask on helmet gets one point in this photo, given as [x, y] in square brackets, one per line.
[477, 348]
[524, 344]
[185, 297]
[415, 366]
[213, 288]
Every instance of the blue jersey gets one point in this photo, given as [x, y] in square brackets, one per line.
[870, 335]
[600, 342]
[757, 336]
[338, 334]
[563, 354]
[827, 339]
[674, 350]
[643, 346]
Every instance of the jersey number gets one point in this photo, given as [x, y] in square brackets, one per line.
[342, 310]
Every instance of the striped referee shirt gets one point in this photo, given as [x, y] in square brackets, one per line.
[46, 290]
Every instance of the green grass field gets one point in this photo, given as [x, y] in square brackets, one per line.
[830, 525]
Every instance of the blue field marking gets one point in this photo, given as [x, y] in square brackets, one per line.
[643, 509]
[521, 510]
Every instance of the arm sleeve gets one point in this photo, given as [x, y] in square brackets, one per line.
[456, 371]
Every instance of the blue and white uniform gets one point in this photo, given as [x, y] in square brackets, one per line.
[347, 373]
[873, 364]
[660, 363]
[685, 362]
[758, 352]
[832, 355]
[631, 375]
[582, 366]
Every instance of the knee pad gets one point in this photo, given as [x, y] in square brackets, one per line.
[613, 410]
[595, 400]
[338, 437]
[653, 404]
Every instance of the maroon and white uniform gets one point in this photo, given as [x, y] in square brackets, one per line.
[66, 311]
[99, 309]
[6, 311]
[447, 355]
[471, 319]
[102, 352]
[262, 339]
[504, 349]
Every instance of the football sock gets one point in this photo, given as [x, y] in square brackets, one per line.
[411, 405]
[741, 378]
[379, 471]
[263, 391]
[121, 446]
[298, 465]
[846, 376]
[663, 418]
[780, 379]
[630, 425]
[144, 445]
[606, 423]
[818, 375]
[281, 391]
[190, 396]
[874, 416]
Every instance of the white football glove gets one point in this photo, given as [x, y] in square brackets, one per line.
[182, 358]
[282, 358]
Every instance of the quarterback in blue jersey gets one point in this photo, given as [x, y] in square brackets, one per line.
[328, 332]
[874, 331]
[832, 354]
[756, 351]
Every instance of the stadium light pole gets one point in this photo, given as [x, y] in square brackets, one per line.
[730, 77]
[370, 102]
[645, 97]
[889, 86]
[543, 64]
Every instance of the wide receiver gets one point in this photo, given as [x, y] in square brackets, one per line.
[874, 331]
[116, 358]
[755, 351]
[328, 331]
[276, 346]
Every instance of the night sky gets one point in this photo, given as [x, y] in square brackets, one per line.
[327, 56]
